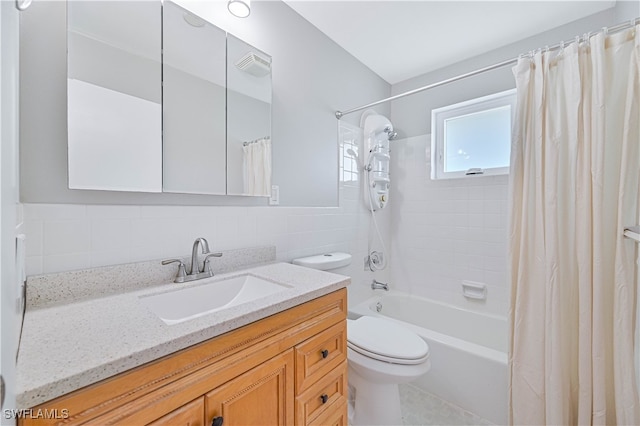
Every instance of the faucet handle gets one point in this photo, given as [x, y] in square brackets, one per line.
[182, 271]
[170, 261]
[206, 267]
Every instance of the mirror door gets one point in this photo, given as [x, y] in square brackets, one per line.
[114, 95]
[194, 105]
[248, 119]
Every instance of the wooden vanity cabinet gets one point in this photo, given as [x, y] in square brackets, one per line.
[286, 369]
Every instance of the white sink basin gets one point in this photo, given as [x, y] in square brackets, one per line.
[187, 303]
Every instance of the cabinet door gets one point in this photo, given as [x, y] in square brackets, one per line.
[191, 414]
[261, 396]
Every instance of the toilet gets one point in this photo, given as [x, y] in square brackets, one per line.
[381, 355]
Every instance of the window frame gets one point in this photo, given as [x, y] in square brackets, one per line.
[461, 109]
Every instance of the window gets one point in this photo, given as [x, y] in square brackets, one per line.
[350, 139]
[472, 138]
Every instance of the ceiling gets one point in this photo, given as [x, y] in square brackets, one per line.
[402, 39]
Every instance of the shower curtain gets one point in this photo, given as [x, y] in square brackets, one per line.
[575, 166]
[256, 167]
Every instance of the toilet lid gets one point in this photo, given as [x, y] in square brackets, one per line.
[386, 341]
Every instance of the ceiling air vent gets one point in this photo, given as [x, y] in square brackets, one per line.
[254, 65]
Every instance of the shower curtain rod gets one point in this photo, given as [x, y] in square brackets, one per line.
[619, 27]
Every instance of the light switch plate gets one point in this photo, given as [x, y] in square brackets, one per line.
[275, 195]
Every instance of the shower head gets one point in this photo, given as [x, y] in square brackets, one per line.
[353, 154]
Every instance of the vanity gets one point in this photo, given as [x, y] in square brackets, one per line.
[275, 360]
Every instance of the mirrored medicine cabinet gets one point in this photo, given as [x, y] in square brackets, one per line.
[160, 100]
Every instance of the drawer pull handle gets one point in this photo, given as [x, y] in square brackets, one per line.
[324, 397]
[325, 353]
[217, 421]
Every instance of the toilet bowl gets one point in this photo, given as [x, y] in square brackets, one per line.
[381, 355]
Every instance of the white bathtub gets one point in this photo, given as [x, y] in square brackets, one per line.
[468, 351]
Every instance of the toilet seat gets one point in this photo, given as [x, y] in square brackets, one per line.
[386, 341]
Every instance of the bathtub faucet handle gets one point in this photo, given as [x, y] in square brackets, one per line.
[377, 285]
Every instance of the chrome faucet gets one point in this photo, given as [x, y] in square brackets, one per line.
[195, 265]
[195, 273]
[377, 285]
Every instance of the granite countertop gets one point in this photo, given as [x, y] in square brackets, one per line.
[67, 346]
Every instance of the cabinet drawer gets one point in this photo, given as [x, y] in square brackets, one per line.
[317, 356]
[191, 414]
[327, 393]
[336, 415]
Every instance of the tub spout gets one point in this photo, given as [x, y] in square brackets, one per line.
[377, 285]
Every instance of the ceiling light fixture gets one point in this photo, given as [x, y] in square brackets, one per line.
[239, 8]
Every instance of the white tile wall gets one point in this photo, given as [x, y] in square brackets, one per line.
[446, 231]
[62, 237]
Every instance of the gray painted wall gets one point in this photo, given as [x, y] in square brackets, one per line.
[312, 77]
[412, 115]
[626, 10]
